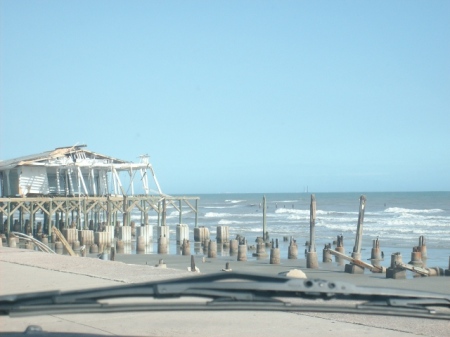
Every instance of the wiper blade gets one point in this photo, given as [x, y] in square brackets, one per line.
[233, 291]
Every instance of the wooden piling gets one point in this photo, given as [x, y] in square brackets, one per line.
[353, 268]
[423, 247]
[264, 219]
[311, 256]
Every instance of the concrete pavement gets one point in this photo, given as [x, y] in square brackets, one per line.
[27, 271]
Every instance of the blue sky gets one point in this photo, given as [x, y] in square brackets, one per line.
[236, 96]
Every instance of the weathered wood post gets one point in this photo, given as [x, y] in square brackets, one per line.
[340, 248]
[350, 267]
[311, 256]
[447, 271]
[264, 219]
[423, 247]
[375, 256]
[124, 212]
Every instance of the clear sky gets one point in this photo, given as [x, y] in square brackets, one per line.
[235, 96]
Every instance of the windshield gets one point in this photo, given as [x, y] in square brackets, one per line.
[301, 147]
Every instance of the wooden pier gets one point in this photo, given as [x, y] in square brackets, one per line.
[83, 212]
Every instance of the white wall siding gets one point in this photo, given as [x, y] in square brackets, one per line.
[33, 180]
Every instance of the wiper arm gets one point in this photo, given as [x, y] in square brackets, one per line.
[232, 291]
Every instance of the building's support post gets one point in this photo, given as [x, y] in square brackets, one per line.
[125, 211]
[109, 216]
[49, 224]
[32, 218]
[159, 214]
[163, 218]
[85, 215]
[8, 216]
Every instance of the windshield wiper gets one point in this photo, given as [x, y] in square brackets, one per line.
[234, 291]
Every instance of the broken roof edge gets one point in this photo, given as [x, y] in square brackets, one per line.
[57, 152]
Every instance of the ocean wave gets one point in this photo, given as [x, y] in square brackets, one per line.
[234, 201]
[409, 210]
[298, 211]
[217, 215]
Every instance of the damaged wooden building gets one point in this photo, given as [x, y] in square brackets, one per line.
[73, 186]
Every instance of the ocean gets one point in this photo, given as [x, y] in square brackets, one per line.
[397, 219]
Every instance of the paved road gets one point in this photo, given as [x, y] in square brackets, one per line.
[27, 271]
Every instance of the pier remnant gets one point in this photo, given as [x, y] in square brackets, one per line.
[275, 253]
[352, 268]
[162, 245]
[395, 271]
[293, 249]
[64, 241]
[120, 246]
[242, 249]
[416, 257]
[212, 249]
[146, 231]
[311, 255]
[265, 233]
[182, 232]
[185, 247]
[423, 248]
[227, 267]
[234, 244]
[375, 255]
[326, 253]
[163, 231]
[140, 244]
[201, 234]
[222, 234]
[260, 248]
[193, 268]
[340, 248]
[362, 264]
[93, 249]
